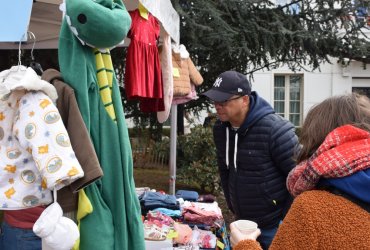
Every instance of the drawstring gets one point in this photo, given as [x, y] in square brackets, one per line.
[227, 147]
[55, 195]
[235, 149]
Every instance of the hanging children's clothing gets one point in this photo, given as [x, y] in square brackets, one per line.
[185, 72]
[35, 148]
[143, 77]
[167, 77]
[80, 140]
[115, 216]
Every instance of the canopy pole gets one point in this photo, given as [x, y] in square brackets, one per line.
[173, 139]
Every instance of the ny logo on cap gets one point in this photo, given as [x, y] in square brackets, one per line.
[217, 82]
[240, 90]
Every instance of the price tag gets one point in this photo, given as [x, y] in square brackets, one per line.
[176, 72]
[143, 11]
[220, 244]
[172, 234]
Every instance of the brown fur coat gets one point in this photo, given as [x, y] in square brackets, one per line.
[320, 220]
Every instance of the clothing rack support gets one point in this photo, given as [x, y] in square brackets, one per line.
[173, 139]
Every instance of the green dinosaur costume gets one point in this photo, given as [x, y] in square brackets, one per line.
[115, 222]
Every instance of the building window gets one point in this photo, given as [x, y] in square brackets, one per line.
[291, 8]
[288, 97]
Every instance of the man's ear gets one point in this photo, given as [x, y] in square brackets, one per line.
[246, 100]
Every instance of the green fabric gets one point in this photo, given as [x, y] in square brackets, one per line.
[116, 220]
[101, 23]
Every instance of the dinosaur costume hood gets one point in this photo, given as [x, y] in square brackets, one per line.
[107, 18]
[88, 29]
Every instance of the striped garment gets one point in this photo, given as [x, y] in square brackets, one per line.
[344, 151]
[104, 72]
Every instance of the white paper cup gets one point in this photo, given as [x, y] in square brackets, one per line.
[246, 226]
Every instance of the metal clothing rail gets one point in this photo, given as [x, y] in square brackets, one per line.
[173, 140]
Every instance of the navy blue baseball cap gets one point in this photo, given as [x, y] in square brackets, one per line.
[228, 84]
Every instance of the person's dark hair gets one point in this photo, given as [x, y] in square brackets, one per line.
[336, 111]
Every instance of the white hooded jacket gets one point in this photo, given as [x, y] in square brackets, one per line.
[35, 152]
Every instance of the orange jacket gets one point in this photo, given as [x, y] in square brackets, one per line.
[320, 220]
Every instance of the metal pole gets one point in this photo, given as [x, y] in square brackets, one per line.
[173, 139]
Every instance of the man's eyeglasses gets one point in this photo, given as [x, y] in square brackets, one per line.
[224, 103]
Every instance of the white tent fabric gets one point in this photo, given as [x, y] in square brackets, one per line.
[166, 14]
[46, 19]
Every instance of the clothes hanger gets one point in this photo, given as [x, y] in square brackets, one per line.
[19, 68]
[33, 64]
[13, 75]
[22, 77]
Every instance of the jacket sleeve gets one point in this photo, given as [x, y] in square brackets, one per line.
[82, 145]
[41, 132]
[247, 245]
[195, 77]
[77, 131]
[284, 144]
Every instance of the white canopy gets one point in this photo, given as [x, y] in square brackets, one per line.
[46, 20]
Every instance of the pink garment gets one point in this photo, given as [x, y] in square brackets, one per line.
[184, 233]
[184, 99]
[159, 218]
[196, 215]
[203, 238]
[167, 77]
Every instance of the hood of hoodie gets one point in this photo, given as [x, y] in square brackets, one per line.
[258, 108]
[356, 185]
[21, 77]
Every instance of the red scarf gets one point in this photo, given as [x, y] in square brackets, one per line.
[344, 151]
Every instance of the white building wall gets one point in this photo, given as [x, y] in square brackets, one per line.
[332, 79]
[261, 83]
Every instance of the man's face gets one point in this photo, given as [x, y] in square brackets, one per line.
[232, 109]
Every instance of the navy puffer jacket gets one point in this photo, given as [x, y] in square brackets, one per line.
[253, 176]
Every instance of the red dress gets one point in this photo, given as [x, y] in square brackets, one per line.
[143, 77]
